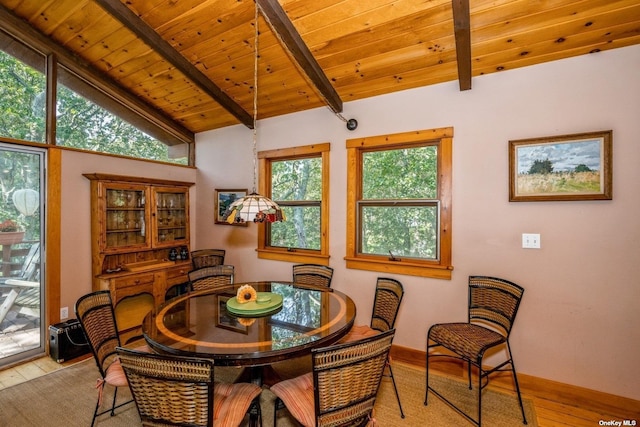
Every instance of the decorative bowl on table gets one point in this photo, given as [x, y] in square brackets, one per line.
[264, 304]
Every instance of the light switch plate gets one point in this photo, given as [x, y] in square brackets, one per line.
[530, 241]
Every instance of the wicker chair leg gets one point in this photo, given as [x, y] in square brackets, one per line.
[279, 404]
[395, 388]
[255, 413]
[111, 411]
[515, 380]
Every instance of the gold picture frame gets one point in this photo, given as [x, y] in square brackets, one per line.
[561, 168]
[222, 199]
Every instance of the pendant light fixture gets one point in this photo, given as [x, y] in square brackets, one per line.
[254, 207]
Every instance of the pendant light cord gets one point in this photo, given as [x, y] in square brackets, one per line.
[255, 102]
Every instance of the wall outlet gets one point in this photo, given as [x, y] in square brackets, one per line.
[64, 313]
[530, 241]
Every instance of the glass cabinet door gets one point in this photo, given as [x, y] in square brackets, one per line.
[171, 217]
[126, 222]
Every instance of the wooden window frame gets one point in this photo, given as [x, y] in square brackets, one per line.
[440, 268]
[265, 158]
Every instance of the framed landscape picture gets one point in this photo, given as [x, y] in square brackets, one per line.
[565, 167]
[222, 201]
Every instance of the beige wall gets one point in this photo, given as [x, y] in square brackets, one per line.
[75, 274]
[578, 321]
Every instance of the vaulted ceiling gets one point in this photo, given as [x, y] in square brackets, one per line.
[193, 60]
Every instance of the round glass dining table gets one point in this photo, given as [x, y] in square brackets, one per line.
[199, 324]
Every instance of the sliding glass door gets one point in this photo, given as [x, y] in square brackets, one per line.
[22, 190]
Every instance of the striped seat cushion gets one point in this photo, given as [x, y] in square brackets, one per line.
[115, 375]
[231, 402]
[359, 332]
[297, 395]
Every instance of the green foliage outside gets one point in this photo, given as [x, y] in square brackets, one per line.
[22, 103]
[400, 211]
[297, 180]
[80, 123]
[19, 170]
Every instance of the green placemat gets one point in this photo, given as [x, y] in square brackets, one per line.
[254, 308]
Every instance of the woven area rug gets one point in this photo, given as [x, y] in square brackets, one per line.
[67, 397]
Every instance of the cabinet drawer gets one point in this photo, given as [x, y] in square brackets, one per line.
[179, 271]
[137, 280]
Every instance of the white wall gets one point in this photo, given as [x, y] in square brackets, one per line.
[578, 321]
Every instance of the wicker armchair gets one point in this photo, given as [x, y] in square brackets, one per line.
[207, 258]
[312, 274]
[96, 315]
[215, 277]
[341, 390]
[493, 305]
[389, 293]
[180, 391]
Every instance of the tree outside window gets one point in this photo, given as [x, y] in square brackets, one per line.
[86, 118]
[399, 203]
[297, 179]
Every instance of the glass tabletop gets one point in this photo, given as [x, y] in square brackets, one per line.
[199, 324]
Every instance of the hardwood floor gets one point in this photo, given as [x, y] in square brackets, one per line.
[556, 404]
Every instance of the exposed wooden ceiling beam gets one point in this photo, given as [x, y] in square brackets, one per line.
[140, 28]
[293, 43]
[462, 27]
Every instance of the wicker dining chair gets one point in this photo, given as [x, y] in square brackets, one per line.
[341, 390]
[202, 258]
[97, 318]
[388, 296]
[180, 391]
[211, 277]
[312, 274]
[493, 305]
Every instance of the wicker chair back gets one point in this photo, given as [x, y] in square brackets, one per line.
[312, 274]
[215, 277]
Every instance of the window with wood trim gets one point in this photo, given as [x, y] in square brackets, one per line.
[399, 203]
[297, 179]
[49, 99]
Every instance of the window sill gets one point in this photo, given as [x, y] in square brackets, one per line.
[298, 257]
[400, 267]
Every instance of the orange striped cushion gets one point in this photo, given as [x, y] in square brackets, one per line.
[359, 332]
[231, 402]
[115, 375]
[297, 395]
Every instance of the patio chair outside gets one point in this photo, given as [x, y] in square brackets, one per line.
[23, 289]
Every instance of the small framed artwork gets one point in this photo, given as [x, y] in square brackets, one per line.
[563, 168]
[226, 320]
[224, 199]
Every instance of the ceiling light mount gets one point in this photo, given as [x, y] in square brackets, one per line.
[254, 207]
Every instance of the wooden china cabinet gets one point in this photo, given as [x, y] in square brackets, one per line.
[140, 243]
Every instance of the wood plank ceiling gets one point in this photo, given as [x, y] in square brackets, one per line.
[362, 48]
